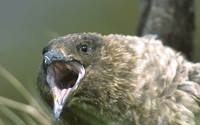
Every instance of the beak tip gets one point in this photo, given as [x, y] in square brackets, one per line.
[47, 60]
[56, 115]
[57, 109]
[57, 112]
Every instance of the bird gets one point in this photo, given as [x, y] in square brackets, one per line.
[94, 79]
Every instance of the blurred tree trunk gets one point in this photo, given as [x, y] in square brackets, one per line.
[171, 20]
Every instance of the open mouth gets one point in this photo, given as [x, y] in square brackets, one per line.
[63, 78]
[65, 75]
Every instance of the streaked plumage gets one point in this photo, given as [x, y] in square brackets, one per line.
[127, 80]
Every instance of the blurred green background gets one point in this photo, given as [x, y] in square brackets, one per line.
[26, 26]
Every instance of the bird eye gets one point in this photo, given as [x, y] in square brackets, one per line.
[84, 48]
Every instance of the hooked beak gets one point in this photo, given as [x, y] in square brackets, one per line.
[63, 77]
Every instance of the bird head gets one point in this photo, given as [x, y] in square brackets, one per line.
[114, 79]
[88, 68]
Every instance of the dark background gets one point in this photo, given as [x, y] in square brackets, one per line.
[26, 26]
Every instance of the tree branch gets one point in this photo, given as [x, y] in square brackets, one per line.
[171, 20]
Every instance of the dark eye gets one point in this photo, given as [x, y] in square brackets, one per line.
[84, 48]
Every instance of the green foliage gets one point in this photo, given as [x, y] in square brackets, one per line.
[32, 113]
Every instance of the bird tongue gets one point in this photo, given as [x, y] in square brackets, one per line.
[61, 94]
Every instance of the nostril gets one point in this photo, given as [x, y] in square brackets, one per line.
[45, 49]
